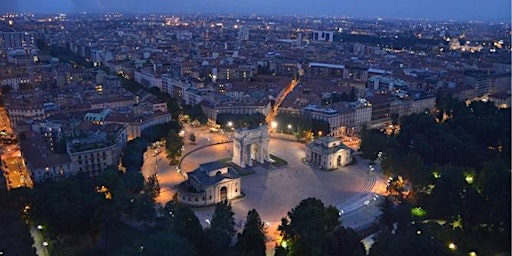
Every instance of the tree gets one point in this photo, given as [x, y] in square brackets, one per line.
[143, 208]
[252, 239]
[152, 187]
[192, 138]
[173, 146]
[182, 221]
[222, 228]
[195, 112]
[159, 244]
[414, 240]
[320, 127]
[343, 241]
[307, 225]
[14, 235]
[445, 200]
[372, 142]
[494, 183]
[223, 218]
[132, 158]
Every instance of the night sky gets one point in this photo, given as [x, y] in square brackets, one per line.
[489, 10]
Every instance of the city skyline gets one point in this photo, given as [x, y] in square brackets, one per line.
[493, 10]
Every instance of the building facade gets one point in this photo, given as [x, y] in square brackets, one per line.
[209, 184]
[328, 153]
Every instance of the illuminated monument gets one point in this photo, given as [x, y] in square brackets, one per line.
[251, 145]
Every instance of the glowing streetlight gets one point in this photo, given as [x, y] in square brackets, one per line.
[45, 243]
[289, 126]
[452, 246]
[230, 124]
[273, 124]
[319, 133]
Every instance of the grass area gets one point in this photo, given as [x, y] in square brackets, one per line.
[278, 162]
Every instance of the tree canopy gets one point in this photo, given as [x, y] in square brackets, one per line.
[458, 163]
[307, 225]
[252, 239]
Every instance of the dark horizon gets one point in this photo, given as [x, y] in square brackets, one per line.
[458, 10]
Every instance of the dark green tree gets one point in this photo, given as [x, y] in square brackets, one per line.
[307, 225]
[446, 193]
[195, 112]
[192, 138]
[173, 146]
[159, 244]
[343, 241]
[183, 221]
[413, 240]
[252, 239]
[142, 207]
[494, 183]
[223, 218]
[221, 230]
[152, 186]
[15, 237]
[372, 142]
[132, 158]
[217, 241]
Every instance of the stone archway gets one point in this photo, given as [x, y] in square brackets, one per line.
[250, 145]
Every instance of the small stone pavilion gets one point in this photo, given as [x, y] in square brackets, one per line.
[328, 153]
[209, 184]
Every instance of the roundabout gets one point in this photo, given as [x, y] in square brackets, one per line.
[273, 192]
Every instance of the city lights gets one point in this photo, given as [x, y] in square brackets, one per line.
[137, 111]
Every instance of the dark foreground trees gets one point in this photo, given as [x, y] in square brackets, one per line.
[307, 225]
[458, 169]
[251, 242]
[221, 230]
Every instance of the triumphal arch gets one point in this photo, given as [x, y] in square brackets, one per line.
[251, 144]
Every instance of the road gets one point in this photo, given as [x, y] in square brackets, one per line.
[273, 112]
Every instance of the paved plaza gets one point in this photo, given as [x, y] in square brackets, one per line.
[273, 192]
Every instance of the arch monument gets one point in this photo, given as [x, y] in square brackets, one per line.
[251, 144]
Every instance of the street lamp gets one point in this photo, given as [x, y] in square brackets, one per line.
[273, 124]
[230, 124]
[289, 126]
[319, 133]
